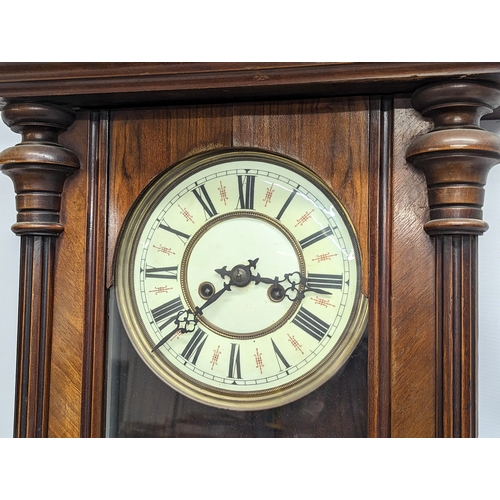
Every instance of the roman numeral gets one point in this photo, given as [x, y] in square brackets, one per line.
[279, 357]
[319, 235]
[311, 324]
[234, 362]
[167, 311]
[192, 351]
[180, 234]
[168, 273]
[325, 281]
[246, 189]
[205, 201]
[287, 202]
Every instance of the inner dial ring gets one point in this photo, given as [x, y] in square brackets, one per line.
[211, 247]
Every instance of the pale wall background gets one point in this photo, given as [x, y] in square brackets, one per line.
[489, 293]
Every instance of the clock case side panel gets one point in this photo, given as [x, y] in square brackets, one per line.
[413, 342]
[77, 374]
[401, 367]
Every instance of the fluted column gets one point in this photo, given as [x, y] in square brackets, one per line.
[456, 156]
[38, 167]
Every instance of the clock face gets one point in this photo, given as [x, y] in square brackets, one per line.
[238, 280]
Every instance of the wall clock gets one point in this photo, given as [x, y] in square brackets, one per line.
[401, 148]
[239, 280]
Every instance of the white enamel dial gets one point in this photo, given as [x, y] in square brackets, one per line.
[238, 280]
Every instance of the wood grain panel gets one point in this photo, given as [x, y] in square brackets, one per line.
[70, 294]
[329, 136]
[413, 343]
[143, 143]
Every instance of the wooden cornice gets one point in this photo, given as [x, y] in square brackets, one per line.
[129, 84]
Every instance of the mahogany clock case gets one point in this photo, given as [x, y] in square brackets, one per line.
[401, 147]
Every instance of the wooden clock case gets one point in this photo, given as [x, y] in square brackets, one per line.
[400, 144]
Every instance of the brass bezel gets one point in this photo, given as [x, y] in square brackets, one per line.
[159, 365]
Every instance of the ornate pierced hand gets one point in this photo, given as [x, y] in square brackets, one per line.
[299, 287]
[186, 320]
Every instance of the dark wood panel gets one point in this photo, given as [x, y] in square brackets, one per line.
[78, 347]
[70, 293]
[413, 342]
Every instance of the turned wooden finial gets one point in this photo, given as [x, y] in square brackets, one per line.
[457, 154]
[39, 165]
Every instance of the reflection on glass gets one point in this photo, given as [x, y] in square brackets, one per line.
[141, 405]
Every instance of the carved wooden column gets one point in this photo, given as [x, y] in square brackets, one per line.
[456, 157]
[38, 167]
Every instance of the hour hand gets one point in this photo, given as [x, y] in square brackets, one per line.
[240, 275]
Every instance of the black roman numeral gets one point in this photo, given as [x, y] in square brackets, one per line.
[311, 324]
[246, 189]
[279, 357]
[168, 273]
[167, 311]
[192, 351]
[319, 235]
[325, 281]
[184, 237]
[205, 201]
[234, 362]
[287, 202]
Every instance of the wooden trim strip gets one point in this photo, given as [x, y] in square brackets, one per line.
[94, 330]
[380, 268]
[456, 260]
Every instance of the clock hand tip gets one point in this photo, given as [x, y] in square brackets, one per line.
[253, 263]
[222, 271]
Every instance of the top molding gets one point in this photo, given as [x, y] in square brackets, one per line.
[91, 85]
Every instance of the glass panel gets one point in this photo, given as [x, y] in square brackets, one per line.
[140, 405]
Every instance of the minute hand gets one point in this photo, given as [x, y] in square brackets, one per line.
[189, 319]
[298, 287]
